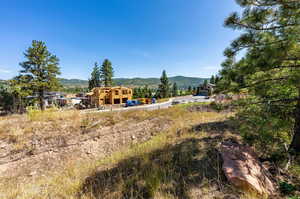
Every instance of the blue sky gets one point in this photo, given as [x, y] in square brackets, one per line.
[140, 37]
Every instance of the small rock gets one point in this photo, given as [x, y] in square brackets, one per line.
[133, 137]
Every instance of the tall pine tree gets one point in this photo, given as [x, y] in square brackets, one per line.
[107, 73]
[95, 81]
[270, 67]
[189, 89]
[40, 70]
[212, 80]
[164, 86]
[174, 90]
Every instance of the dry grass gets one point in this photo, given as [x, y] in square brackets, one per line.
[179, 163]
[162, 100]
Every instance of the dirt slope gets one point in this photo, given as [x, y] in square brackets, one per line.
[43, 154]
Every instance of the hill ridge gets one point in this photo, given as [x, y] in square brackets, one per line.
[181, 81]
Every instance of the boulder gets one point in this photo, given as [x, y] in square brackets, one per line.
[243, 169]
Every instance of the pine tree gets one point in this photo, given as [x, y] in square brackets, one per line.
[189, 89]
[164, 87]
[198, 90]
[40, 70]
[270, 67]
[149, 95]
[204, 85]
[217, 79]
[107, 73]
[212, 80]
[194, 90]
[95, 81]
[6, 98]
[145, 91]
[174, 90]
[135, 93]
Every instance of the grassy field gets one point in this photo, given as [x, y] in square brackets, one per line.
[180, 162]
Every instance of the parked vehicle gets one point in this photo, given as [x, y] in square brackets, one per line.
[153, 100]
[132, 103]
[140, 101]
[175, 102]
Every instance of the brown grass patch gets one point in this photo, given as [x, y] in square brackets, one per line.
[179, 163]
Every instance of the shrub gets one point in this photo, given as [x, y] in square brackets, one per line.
[263, 129]
[286, 188]
[217, 106]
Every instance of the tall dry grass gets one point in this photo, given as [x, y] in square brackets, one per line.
[178, 163]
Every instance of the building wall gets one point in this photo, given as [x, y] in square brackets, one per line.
[110, 95]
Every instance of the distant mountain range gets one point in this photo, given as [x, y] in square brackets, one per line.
[181, 81]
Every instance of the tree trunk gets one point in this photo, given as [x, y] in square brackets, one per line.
[295, 145]
[42, 100]
[22, 107]
[15, 103]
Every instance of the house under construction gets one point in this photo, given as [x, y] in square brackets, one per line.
[109, 95]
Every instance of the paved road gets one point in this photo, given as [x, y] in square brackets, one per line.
[163, 105]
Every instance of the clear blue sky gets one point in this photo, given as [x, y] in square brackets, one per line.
[140, 37]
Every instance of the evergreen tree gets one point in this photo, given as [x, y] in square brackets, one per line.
[194, 90]
[189, 89]
[140, 92]
[217, 79]
[270, 68]
[149, 95]
[6, 98]
[135, 93]
[175, 90]
[107, 73]
[212, 80]
[198, 90]
[164, 86]
[40, 70]
[145, 91]
[205, 83]
[181, 92]
[95, 81]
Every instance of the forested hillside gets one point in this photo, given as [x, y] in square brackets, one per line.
[181, 81]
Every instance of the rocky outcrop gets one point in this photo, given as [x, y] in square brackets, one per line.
[243, 169]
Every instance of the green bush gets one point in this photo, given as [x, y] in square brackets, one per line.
[286, 188]
[217, 106]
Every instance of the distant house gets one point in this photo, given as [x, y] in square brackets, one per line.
[109, 95]
[205, 90]
[211, 87]
[52, 98]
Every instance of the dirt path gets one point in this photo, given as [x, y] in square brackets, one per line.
[46, 154]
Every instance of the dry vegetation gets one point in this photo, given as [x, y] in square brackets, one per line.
[176, 160]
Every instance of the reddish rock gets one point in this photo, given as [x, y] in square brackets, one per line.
[243, 169]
